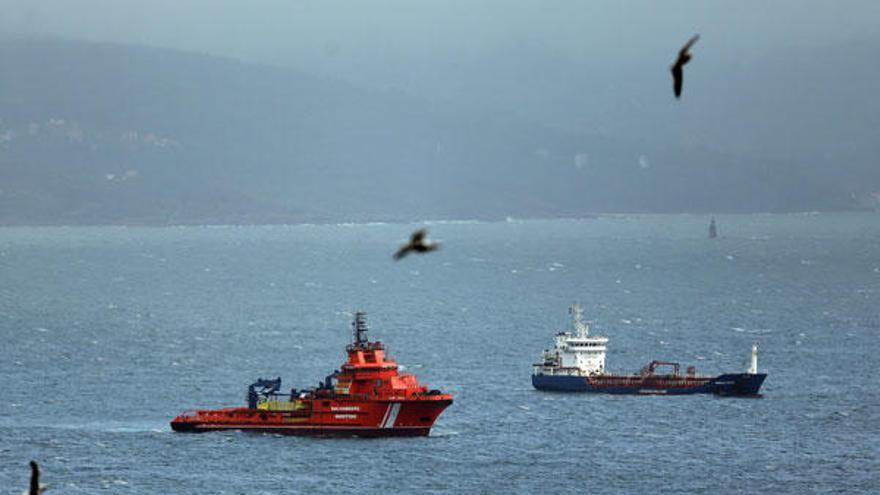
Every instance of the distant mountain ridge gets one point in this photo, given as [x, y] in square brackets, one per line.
[94, 133]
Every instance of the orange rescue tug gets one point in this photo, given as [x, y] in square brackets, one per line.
[368, 397]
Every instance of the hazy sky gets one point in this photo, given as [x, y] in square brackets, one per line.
[595, 66]
[340, 36]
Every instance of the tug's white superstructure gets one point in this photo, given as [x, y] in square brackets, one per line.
[576, 353]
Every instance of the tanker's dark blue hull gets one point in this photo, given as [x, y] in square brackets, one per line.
[731, 384]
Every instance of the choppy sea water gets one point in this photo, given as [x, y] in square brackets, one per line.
[110, 332]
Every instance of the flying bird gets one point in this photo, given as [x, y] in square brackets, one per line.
[36, 487]
[416, 244]
[683, 58]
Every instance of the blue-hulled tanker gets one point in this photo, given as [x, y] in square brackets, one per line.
[577, 364]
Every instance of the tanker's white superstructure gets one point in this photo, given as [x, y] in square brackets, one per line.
[576, 353]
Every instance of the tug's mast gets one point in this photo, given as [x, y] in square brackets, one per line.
[359, 329]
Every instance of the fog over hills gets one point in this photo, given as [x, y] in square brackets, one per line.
[97, 133]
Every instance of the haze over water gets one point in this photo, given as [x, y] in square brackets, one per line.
[113, 331]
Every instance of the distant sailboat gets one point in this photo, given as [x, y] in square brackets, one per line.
[713, 230]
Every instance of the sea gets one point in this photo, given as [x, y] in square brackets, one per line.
[110, 332]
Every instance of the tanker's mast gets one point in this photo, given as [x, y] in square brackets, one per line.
[581, 327]
[753, 369]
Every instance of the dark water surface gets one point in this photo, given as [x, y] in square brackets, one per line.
[110, 332]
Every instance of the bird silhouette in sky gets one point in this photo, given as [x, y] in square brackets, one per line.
[416, 244]
[677, 68]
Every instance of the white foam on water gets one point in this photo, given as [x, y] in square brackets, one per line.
[453, 222]
[438, 432]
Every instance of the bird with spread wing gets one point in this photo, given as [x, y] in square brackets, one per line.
[677, 68]
[416, 244]
[36, 487]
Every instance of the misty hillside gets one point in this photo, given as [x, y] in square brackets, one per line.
[813, 104]
[99, 133]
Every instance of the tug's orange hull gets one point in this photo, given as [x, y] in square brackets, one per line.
[327, 417]
[367, 396]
